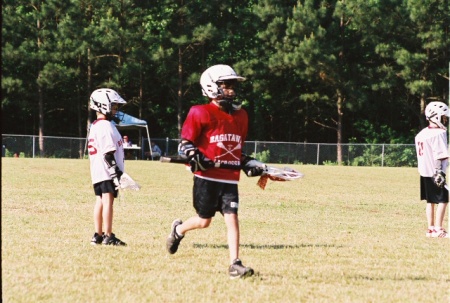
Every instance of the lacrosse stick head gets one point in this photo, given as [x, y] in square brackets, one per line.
[278, 174]
[126, 182]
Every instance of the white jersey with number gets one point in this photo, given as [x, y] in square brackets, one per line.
[432, 151]
[104, 138]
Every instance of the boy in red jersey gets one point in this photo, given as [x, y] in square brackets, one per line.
[432, 158]
[106, 159]
[215, 133]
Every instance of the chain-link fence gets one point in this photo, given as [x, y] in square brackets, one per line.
[53, 147]
[352, 154]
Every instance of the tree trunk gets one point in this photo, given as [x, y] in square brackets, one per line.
[423, 104]
[340, 103]
[80, 101]
[41, 122]
[340, 97]
[141, 98]
[180, 91]
[89, 85]
[40, 98]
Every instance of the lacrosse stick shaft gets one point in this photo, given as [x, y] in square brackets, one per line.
[184, 161]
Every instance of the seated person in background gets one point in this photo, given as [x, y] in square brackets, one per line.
[156, 152]
[126, 142]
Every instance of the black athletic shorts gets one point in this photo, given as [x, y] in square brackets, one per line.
[105, 187]
[211, 197]
[430, 192]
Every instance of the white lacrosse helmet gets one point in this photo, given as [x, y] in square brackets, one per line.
[101, 100]
[434, 112]
[215, 74]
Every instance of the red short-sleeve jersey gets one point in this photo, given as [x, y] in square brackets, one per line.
[219, 136]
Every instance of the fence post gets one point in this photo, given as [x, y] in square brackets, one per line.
[318, 149]
[256, 144]
[382, 156]
[33, 145]
[167, 146]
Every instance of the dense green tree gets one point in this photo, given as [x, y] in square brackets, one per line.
[32, 57]
[408, 64]
[315, 69]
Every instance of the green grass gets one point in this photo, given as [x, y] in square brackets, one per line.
[341, 234]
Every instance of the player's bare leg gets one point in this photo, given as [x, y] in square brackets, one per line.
[430, 214]
[440, 232]
[193, 223]
[107, 202]
[232, 223]
[236, 269]
[98, 215]
[179, 228]
[98, 221]
[110, 238]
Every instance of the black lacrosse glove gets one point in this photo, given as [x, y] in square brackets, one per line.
[196, 159]
[199, 162]
[252, 167]
[439, 178]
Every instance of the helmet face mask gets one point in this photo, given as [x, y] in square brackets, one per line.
[437, 113]
[227, 92]
[103, 100]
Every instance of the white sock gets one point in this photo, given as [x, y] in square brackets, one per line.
[431, 227]
[179, 235]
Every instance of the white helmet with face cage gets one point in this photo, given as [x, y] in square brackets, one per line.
[435, 111]
[214, 75]
[102, 99]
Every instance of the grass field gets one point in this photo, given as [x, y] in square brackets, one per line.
[341, 234]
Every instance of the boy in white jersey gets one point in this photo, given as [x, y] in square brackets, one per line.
[216, 131]
[432, 158]
[106, 157]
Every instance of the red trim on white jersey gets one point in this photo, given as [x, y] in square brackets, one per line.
[104, 138]
[431, 150]
[219, 136]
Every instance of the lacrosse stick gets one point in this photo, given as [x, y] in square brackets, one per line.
[272, 173]
[178, 160]
[126, 182]
[278, 174]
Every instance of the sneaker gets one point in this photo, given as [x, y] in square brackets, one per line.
[429, 233]
[174, 239]
[441, 233]
[237, 270]
[96, 239]
[112, 240]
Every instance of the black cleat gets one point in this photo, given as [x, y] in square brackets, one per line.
[96, 239]
[174, 239]
[237, 270]
[112, 240]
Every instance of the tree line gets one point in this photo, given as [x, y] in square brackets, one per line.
[317, 71]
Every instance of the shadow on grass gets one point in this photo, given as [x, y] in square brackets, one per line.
[266, 246]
